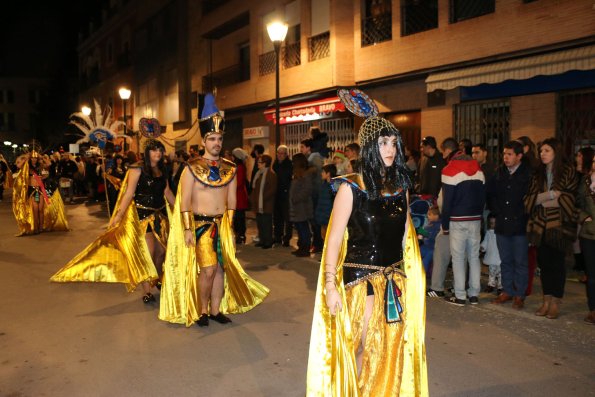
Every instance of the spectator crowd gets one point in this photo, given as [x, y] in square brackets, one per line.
[520, 217]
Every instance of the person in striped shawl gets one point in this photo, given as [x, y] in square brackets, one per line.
[552, 221]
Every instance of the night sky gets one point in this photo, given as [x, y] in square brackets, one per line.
[39, 39]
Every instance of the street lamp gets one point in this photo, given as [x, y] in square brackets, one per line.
[277, 32]
[125, 95]
[8, 143]
[86, 110]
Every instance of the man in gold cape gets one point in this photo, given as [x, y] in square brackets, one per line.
[54, 214]
[332, 336]
[209, 242]
[119, 255]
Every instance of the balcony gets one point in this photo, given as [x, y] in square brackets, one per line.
[226, 77]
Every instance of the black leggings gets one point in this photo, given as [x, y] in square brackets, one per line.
[553, 270]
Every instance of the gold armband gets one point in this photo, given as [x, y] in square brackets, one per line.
[186, 218]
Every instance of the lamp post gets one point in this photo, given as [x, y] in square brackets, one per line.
[277, 32]
[125, 95]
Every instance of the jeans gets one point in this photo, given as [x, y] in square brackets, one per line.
[304, 235]
[464, 244]
[427, 253]
[588, 250]
[514, 263]
[440, 261]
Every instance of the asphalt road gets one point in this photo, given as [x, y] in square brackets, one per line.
[98, 340]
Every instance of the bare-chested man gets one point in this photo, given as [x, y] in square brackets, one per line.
[208, 199]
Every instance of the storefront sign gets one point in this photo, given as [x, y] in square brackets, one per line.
[256, 132]
[305, 111]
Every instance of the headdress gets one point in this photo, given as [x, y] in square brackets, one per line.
[34, 154]
[99, 130]
[149, 128]
[211, 121]
[360, 104]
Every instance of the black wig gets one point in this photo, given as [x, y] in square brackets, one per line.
[154, 144]
[377, 177]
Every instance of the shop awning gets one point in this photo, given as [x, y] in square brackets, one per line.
[305, 111]
[552, 63]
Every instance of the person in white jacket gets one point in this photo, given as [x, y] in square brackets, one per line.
[492, 257]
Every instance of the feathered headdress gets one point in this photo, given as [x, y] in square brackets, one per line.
[100, 130]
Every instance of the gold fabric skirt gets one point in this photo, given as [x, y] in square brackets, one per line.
[382, 367]
[206, 255]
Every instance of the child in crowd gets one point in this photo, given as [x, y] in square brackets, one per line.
[340, 161]
[492, 257]
[427, 237]
[324, 205]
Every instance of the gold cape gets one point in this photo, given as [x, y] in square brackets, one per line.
[119, 255]
[54, 213]
[180, 295]
[397, 366]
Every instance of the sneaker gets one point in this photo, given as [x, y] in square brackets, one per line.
[434, 294]
[473, 300]
[454, 301]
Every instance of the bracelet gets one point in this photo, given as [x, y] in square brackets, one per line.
[186, 219]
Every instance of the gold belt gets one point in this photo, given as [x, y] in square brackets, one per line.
[142, 207]
[386, 271]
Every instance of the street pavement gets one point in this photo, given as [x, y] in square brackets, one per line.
[83, 339]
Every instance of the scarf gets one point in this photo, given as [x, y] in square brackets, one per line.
[263, 173]
[554, 226]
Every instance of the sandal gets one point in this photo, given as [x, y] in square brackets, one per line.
[148, 298]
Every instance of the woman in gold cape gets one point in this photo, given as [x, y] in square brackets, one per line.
[54, 214]
[130, 249]
[368, 327]
[180, 295]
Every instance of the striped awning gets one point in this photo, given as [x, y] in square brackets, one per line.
[557, 62]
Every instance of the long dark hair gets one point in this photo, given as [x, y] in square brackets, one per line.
[587, 153]
[300, 165]
[377, 177]
[558, 163]
[154, 144]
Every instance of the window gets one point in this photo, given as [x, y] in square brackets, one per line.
[576, 120]
[461, 10]
[484, 122]
[171, 112]
[418, 16]
[244, 62]
[376, 22]
[292, 50]
[291, 53]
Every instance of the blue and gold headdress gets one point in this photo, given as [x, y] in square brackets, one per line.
[360, 104]
[211, 121]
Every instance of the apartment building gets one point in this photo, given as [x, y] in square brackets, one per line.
[488, 70]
